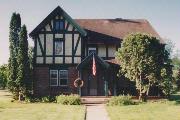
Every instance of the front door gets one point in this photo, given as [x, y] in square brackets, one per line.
[92, 85]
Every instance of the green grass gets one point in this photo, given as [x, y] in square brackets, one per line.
[37, 111]
[160, 110]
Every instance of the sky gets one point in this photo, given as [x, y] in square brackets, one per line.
[163, 15]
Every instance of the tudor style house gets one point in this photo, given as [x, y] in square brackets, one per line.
[64, 49]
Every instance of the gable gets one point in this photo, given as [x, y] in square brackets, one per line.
[57, 13]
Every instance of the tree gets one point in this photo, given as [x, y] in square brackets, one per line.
[23, 76]
[15, 26]
[141, 57]
[3, 76]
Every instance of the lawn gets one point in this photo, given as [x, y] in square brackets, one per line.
[37, 111]
[161, 110]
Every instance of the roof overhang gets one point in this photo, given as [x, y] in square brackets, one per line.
[57, 11]
[89, 58]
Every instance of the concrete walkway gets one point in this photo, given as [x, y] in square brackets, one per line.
[96, 112]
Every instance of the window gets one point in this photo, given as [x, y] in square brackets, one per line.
[58, 47]
[59, 25]
[63, 77]
[91, 50]
[58, 77]
[53, 77]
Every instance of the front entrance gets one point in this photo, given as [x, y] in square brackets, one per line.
[94, 85]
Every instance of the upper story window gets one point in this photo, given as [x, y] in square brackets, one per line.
[59, 25]
[58, 47]
[91, 50]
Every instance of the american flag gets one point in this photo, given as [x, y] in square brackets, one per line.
[94, 67]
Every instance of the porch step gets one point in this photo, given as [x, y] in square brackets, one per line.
[94, 99]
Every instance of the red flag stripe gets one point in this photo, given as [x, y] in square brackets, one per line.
[94, 66]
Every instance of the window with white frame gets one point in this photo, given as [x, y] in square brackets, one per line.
[63, 77]
[58, 47]
[91, 50]
[58, 77]
[54, 77]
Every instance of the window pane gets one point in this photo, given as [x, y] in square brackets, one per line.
[92, 51]
[53, 77]
[63, 81]
[54, 82]
[57, 25]
[63, 74]
[61, 25]
[58, 48]
[63, 77]
[54, 74]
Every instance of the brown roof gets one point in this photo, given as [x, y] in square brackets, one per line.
[113, 61]
[118, 27]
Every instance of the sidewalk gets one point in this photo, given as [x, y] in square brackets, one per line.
[96, 112]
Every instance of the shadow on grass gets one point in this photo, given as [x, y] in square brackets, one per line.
[176, 98]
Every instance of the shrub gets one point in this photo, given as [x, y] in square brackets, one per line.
[69, 99]
[48, 99]
[45, 99]
[121, 100]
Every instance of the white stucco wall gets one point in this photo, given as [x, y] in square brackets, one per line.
[49, 44]
[101, 50]
[111, 51]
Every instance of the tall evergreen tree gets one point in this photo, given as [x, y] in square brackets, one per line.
[23, 76]
[15, 26]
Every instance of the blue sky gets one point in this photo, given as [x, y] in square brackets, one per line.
[162, 14]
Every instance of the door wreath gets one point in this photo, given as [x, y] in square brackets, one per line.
[78, 82]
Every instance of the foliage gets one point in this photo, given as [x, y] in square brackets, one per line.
[44, 99]
[166, 82]
[23, 76]
[141, 57]
[69, 99]
[120, 100]
[14, 29]
[3, 76]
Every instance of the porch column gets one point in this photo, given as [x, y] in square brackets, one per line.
[79, 88]
[106, 84]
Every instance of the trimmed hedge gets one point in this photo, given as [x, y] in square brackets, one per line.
[69, 99]
[121, 100]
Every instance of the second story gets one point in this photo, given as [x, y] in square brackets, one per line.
[59, 39]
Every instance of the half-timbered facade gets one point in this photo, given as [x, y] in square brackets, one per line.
[64, 49]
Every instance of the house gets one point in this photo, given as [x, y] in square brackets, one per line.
[64, 49]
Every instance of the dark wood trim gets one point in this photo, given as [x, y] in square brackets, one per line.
[64, 52]
[73, 45]
[82, 48]
[44, 59]
[107, 52]
[53, 48]
[39, 41]
[50, 26]
[55, 65]
[67, 26]
[35, 50]
[58, 32]
[58, 56]
[77, 43]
